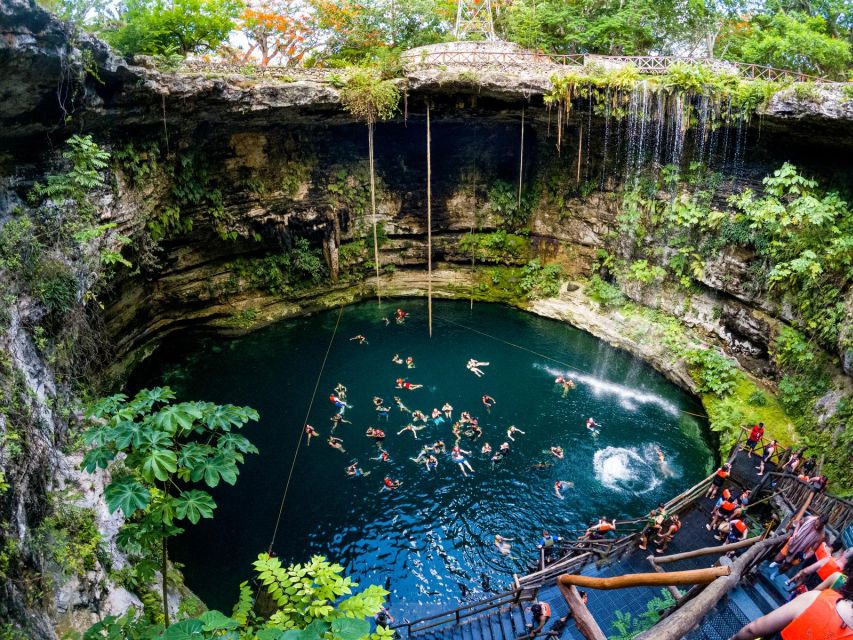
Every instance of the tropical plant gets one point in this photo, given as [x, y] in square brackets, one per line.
[165, 449]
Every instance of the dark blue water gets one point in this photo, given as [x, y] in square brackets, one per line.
[431, 539]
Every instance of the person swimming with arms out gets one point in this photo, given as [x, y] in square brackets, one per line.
[340, 404]
[359, 338]
[382, 412]
[592, 426]
[338, 419]
[566, 383]
[557, 452]
[309, 431]
[488, 402]
[389, 485]
[513, 430]
[400, 405]
[412, 428]
[458, 456]
[378, 435]
[501, 453]
[438, 446]
[402, 383]
[383, 456]
[397, 359]
[431, 461]
[354, 471]
[474, 431]
[341, 390]
[503, 544]
[474, 367]
[561, 485]
[336, 443]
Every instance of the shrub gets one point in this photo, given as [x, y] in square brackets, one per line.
[606, 294]
[713, 372]
[498, 247]
[541, 282]
[642, 271]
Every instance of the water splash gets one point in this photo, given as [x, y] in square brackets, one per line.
[629, 398]
[624, 469]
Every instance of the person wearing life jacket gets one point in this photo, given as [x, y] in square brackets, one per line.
[717, 481]
[541, 613]
[671, 527]
[726, 510]
[827, 615]
[600, 530]
[827, 564]
[738, 531]
[548, 542]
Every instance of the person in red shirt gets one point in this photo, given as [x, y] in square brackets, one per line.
[754, 437]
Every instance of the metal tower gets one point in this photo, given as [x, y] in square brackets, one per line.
[474, 17]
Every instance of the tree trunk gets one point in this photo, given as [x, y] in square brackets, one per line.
[163, 569]
[373, 207]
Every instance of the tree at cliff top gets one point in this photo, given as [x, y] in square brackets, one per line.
[160, 449]
[299, 602]
[787, 40]
[276, 31]
[161, 27]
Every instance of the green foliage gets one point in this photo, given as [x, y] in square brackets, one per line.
[88, 163]
[538, 281]
[313, 601]
[606, 294]
[282, 273]
[367, 97]
[162, 443]
[504, 201]
[499, 247]
[641, 271]
[757, 399]
[69, 537]
[626, 626]
[790, 40]
[158, 27]
[713, 372]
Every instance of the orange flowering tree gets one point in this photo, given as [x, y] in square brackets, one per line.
[276, 30]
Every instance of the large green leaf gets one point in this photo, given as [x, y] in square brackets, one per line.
[216, 620]
[350, 628]
[180, 415]
[159, 464]
[194, 505]
[129, 433]
[236, 442]
[96, 458]
[184, 630]
[128, 495]
[212, 469]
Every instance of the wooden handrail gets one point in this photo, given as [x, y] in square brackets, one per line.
[679, 623]
[673, 578]
[584, 621]
[706, 551]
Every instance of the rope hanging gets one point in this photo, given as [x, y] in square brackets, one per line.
[302, 430]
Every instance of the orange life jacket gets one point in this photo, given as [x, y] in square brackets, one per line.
[820, 620]
[722, 474]
[828, 569]
[546, 609]
[605, 526]
[727, 508]
[740, 525]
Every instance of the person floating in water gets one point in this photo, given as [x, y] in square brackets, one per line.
[448, 411]
[341, 390]
[486, 450]
[513, 429]
[438, 446]
[360, 339]
[400, 316]
[456, 454]
[377, 401]
[489, 402]
[663, 465]
[561, 485]
[410, 362]
[592, 426]
[437, 417]
[400, 404]
[425, 451]
[309, 431]
[418, 415]
[474, 431]
[412, 428]
[336, 443]
[338, 419]
[383, 456]
[339, 403]
[402, 383]
[474, 367]
[377, 434]
[389, 484]
[354, 471]
[397, 359]
[431, 463]
[566, 382]
[382, 412]
[503, 544]
[557, 452]
[501, 453]
[539, 466]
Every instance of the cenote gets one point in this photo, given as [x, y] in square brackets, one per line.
[430, 541]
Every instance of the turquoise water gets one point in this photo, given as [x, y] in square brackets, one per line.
[430, 541]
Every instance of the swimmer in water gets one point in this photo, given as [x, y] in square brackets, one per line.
[383, 456]
[567, 384]
[448, 410]
[337, 420]
[501, 453]
[488, 402]
[438, 446]
[377, 434]
[437, 417]
[412, 428]
[431, 461]
[400, 404]
[341, 390]
[402, 383]
[418, 415]
[400, 316]
[336, 443]
[561, 485]
[425, 451]
[397, 359]
[354, 471]
[474, 432]
[339, 403]
[382, 412]
[513, 429]
[474, 367]
[410, 362]
[592, 425]
[389, 485]
[557, 452]
[309, 431]
[540, 466]
[359, 338]
[665, 469]
[503, 544]
[377, 401]
[486, 450]
[456, 454]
